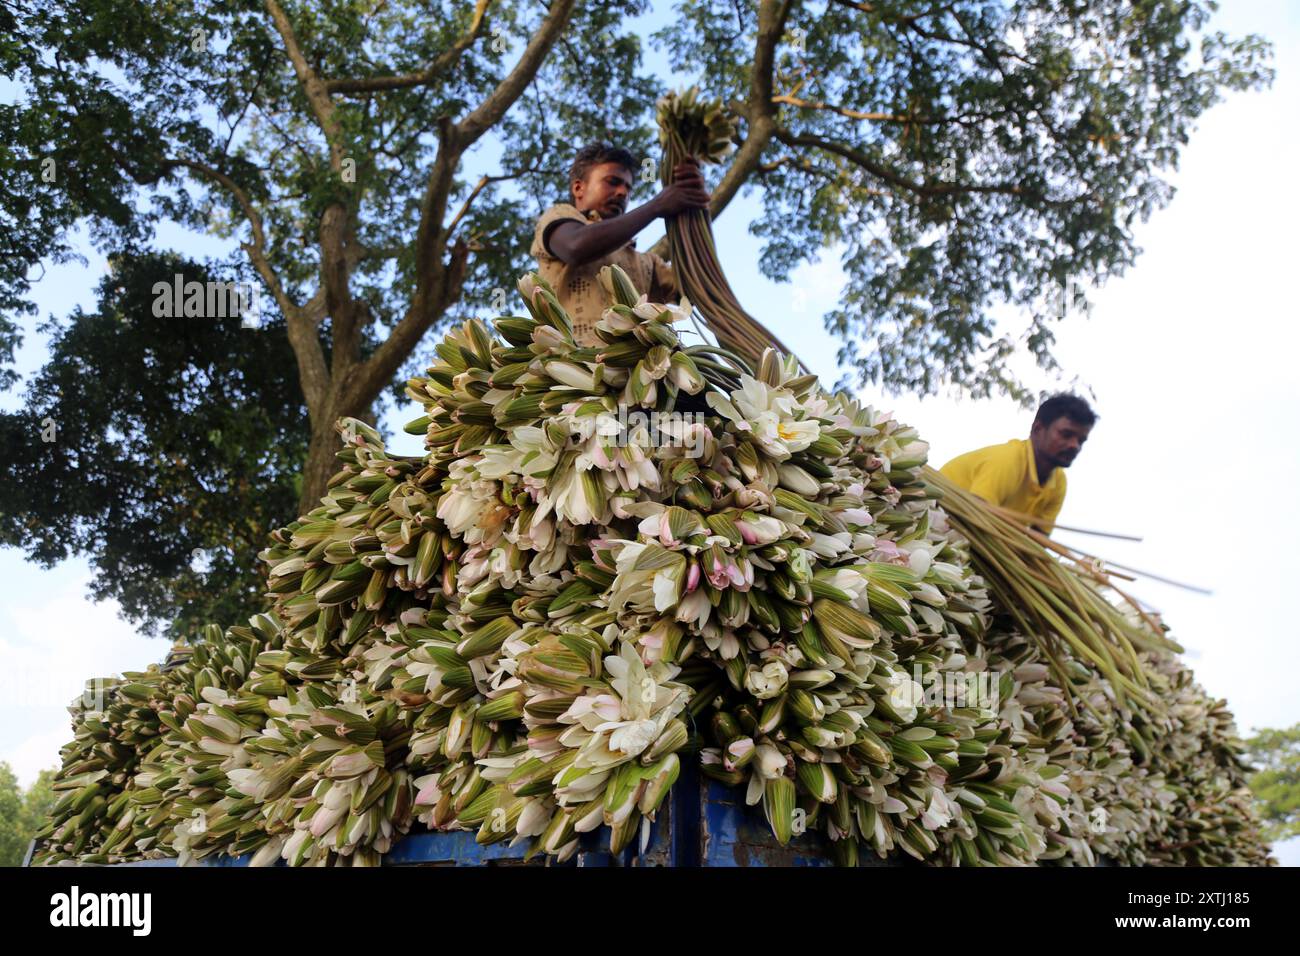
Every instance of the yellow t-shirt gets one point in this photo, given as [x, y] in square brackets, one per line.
[1007, 475]
[577, 287]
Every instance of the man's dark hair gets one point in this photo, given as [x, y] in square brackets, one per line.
[1064, 404]
[593, 154]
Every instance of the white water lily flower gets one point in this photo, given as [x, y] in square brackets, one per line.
[722, 641]
[472, 508]
[849, 580]
[530, 452]
[572, 374]
[768, 764]
[548, 561]
[914, 449]
[892, 805]
[928, 594]
[629, 552]
[534, 817]
[582, 789]
[768, 681]
[569, 496]
[645, 309]
[631, 736]
[627, 454]
[592, 710]
[950, 573]
[636, 687]
[694, 609]
[919, 558]
[769, 761]
[666, 585]
[905, 696]
[830, 546]
[858, 516]
[939, 813]
[760, 529]
[798, 480]
[645, 705]
[770, 415]
[612, 320]
[646, 589]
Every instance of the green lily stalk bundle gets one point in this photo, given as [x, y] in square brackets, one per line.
[693, 127]
[612, 560]
[1063, 608]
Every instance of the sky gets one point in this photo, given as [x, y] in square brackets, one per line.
[1188, 355]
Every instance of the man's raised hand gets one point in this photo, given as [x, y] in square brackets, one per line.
[687, 190]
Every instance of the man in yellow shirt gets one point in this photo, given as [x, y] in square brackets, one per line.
[1029, 476]
[572, 241]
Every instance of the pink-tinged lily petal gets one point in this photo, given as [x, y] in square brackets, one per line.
[893, 805]
[692, 577]
[428, 794]
[694, 608]
[746, 533]
[665, 532]
[718, 575]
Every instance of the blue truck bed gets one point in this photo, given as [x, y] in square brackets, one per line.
[703, 823]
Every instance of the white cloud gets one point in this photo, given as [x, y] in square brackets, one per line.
[52, 642]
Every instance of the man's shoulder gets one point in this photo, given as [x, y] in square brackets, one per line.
[561, 209]
[1003, 452]
[556, 213]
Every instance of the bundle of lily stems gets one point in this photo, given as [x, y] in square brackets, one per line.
[614, 560]
[1065, 604]
[1014, 559]
[691, 127]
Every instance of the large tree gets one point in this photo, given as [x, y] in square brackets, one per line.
[165, 449]
[329, 144]
[1276, 782]
[22, 813]
[330, 139]
[379, 161]
[959, 155]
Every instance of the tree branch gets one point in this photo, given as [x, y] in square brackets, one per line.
[336, 223]
[438, 282]
[312, 371]
[318, 97]
[478, 188]
[507, 91]
[843, 111]
[859, 158]
[444, 63]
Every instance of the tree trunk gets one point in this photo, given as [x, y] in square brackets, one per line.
[321, 462]
[343, 385]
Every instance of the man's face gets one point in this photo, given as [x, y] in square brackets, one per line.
[606, 190]
[1059, 443]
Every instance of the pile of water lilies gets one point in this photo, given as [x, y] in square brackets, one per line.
[613, 560]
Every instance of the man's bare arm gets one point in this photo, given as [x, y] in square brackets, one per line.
[574, 243]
